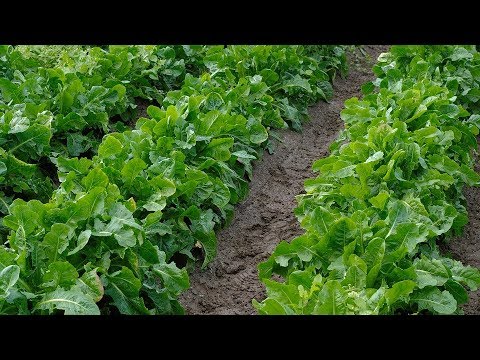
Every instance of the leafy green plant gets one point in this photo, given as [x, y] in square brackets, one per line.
[388, 192]
[105, 239]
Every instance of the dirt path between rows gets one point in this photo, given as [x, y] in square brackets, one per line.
[230, 282]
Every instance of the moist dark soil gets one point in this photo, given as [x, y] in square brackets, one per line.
[142, 106]
[230, 282]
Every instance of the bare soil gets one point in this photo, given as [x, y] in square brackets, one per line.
[230, 282]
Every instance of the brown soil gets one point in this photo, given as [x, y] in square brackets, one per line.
[230, 282]
[466, 248]
[142, 106]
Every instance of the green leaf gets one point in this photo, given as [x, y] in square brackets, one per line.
[258, 133]
[399, 291]
[209, 246]
[165, 186]
[396, 215]
[213, 101]
[56, 241]
[219, 149]
[123, 287]
[8, 278]
[269, 76]
[467, 275]
[356, 274]
[36, 137]
[457, 290]
[95, 178]
[271, 307]
[460, 53]
[18, 124]
[59, 274]
[434, 300]
[109, 147]
[301, 247]
[175, 280]
[406, 235]
[21, 216]
[132, 169]
[374, 252]
[73, 302]
[125, 237]
[283, 293]
[79, 166]
[7, 257]
[321, 220]
[299, 82]
[155, 112]
[332, 299]
[82, 240]
[3, 168]
[380, 200]
[430, 272]
[91, 285]
[341, 233]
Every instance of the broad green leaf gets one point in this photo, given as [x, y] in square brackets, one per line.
[56, 241]
[123, 287]
[7, 257]
[430, 272]
[87, 206]
[125, 237]
[301, 247]
[321, 219]
[467, 275]
[132, 169]
[21, 215]
[457, 290]
[341, 233]
[72, 302]
[272, 307]
[356, 274]
[219, 148]
[374, 252]
[18, 124]
[283, 293]
[258, 133]
[166, 187]
[82, 240]
[175, 280]
[434, 300]
[299, 82]
[332, 299]
[91, 285]
[269, 76]
[59, 274]
[399, 291]
[380, 199]
[95, 178]
[109, 147]
[36, 137]
[406, 235]
[8, 278]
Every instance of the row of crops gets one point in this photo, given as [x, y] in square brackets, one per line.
[390, 191]
[95, 203]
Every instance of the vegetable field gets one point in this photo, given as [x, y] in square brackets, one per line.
[108, 209]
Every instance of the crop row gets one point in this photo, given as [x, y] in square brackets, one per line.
[388, 193]
[105, 239]
[59, 101]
